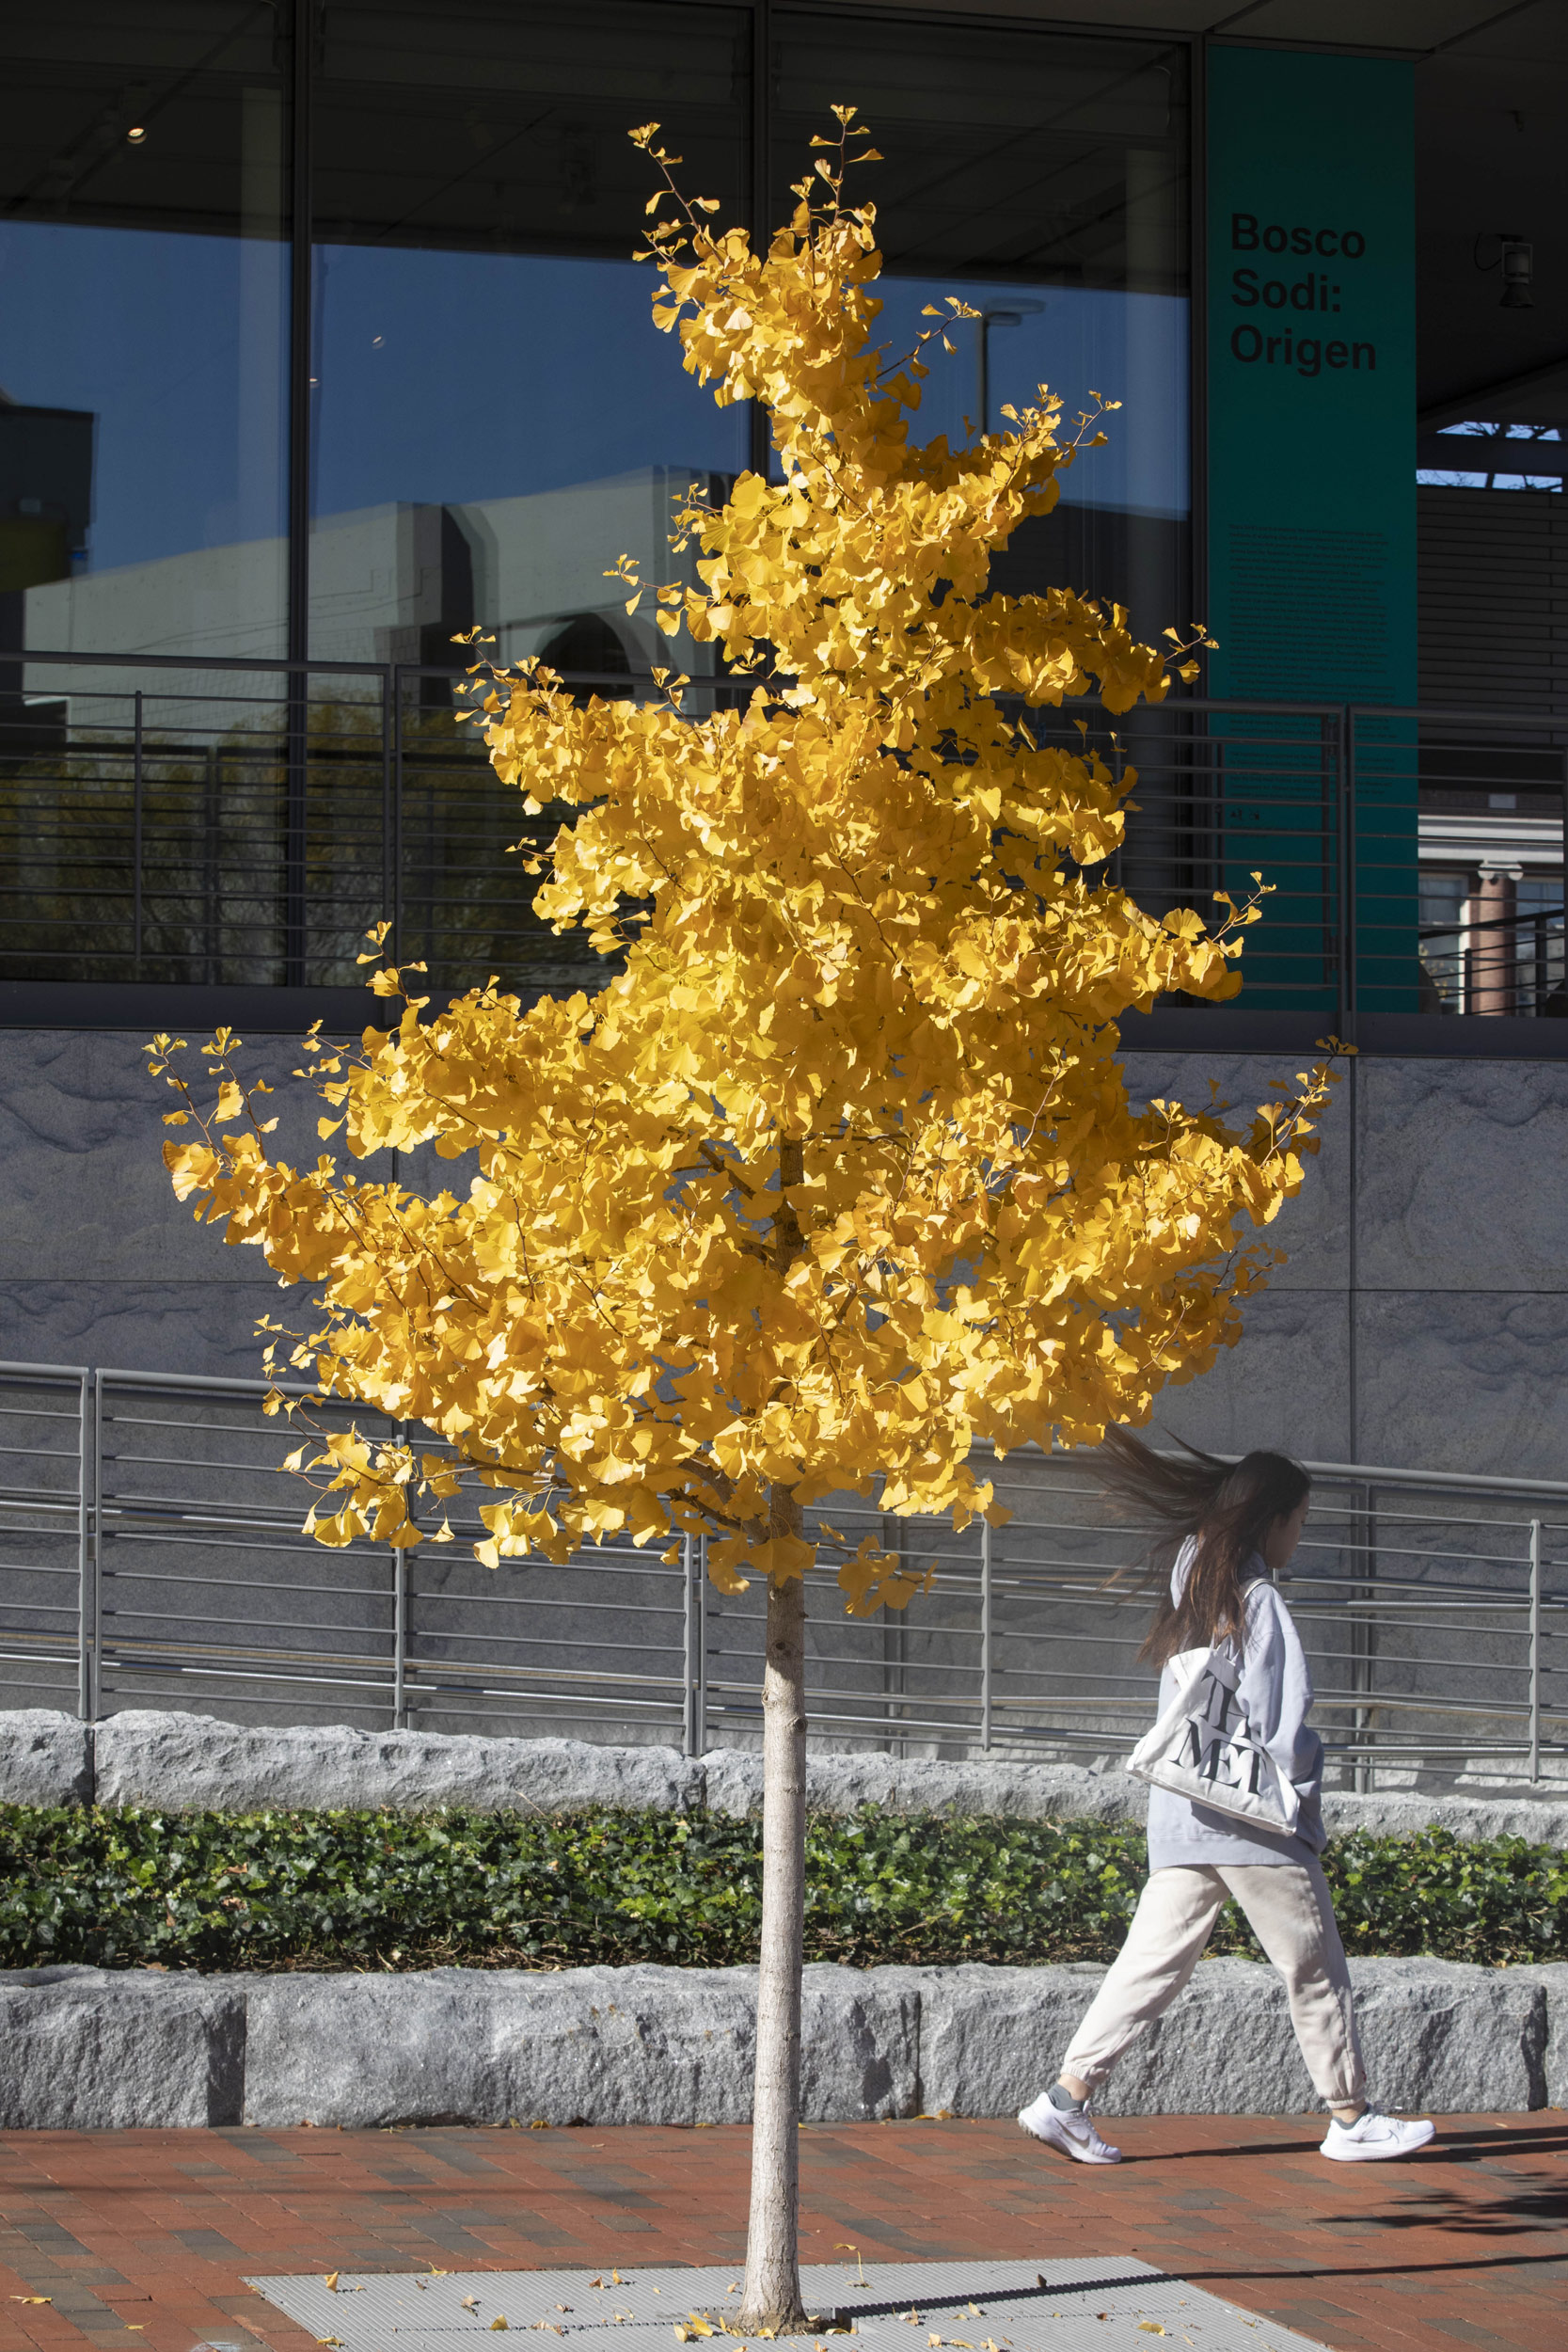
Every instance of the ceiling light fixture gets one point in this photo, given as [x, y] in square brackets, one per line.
[1518, 269]
[136, 134]
[1515, 255]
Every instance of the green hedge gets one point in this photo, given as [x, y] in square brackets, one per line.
[354, 1890]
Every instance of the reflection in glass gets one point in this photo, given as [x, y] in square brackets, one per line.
[143, 286]
[493, 430]
[496, 418]
[1121, 525]
[1042, 177]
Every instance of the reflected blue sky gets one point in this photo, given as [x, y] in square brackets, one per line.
[1077, 340]
[454, 377]
[176, 344]
[451, 376]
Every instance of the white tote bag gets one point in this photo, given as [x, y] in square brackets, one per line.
[1204, 1748]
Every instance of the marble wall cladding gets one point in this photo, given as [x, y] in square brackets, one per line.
[1314, 1228]
[1473, 1380]
[99, 1263]
[87, 1197]
[1285, 1383]
[1459, 1177]
[177, 1325]
[1422, 1317]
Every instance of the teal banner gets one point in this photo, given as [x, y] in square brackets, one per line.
[1313, 493]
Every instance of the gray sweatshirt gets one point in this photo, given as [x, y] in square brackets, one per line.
[1275, 1693]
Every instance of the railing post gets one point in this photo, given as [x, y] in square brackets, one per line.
[400, 1639]
[1361, 1640]
[694, 1582]
[91, 1528]
[696, 1588]
[86, 1610]
[401, 1556]
[985, 1637]
[689, 1605]
[1534, 1653]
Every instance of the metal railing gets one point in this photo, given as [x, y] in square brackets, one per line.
[166, 819]
[153, 1556]
[1507, 964]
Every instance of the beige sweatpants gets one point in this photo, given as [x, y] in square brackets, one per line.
[1291, 1912]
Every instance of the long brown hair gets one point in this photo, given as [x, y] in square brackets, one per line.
[1228, 1506]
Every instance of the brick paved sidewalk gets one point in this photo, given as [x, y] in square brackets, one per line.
[142, 2239]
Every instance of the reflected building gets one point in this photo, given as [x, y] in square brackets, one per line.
[394, 584]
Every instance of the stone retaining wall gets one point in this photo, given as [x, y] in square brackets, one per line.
[90, 2048]
[87, 2048]
[191, 1763]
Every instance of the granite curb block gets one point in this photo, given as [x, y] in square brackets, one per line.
[88, 2048]
[45, 1758]
[1438, 2035]
[193, 1763]
[1552, 1977]
[603, 2045]
[96, 2049]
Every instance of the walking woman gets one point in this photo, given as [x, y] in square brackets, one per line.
[1234, 1698]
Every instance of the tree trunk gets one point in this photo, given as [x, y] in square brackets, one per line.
[771, 2297]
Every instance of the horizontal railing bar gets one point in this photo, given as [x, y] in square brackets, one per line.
[178, 1653]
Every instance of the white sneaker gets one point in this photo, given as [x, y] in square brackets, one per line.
[1373, 2138]
[1073, 2133]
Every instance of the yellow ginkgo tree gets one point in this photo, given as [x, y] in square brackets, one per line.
[836, 1179]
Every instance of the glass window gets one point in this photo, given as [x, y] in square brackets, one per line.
[494, 417]
[1043, 178]
[1539, 980]
[143, 291]
[1442, 942]
[495, 420]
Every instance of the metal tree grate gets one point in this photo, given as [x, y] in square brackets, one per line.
[1110, 2304]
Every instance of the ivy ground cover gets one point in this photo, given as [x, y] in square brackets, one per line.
[382, 1890]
